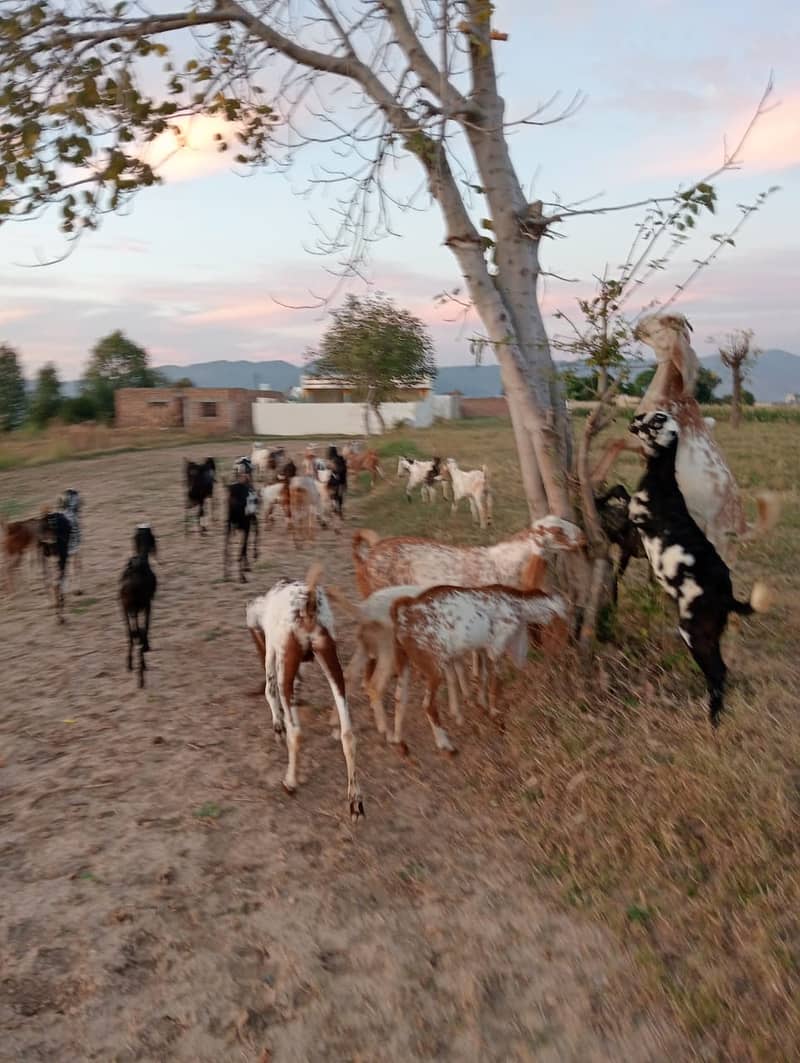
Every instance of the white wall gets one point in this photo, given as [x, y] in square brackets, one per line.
[344, 418]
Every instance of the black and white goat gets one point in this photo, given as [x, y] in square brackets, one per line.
[200, 481]
[71, 505]
[54, 536]
[242, 516]
[137, 589]
[683, 560]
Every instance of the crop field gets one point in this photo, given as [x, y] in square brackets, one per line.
[602, 879]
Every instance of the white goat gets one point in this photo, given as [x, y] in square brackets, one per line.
[374, 657]
[422, 474]
[444, 623]
[473, 485]
[291, 622]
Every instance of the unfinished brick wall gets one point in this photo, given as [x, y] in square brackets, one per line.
[492, 407]
[147, 408]
[204, 411]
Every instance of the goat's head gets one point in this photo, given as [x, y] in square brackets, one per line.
[670, 337]
[144, 542]
[555, 533]
[657, 431]
[404, 464]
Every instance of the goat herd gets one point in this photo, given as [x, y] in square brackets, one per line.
[429, 607]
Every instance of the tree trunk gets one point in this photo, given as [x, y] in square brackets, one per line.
[376, 409]
[736, 395]
[366, 420]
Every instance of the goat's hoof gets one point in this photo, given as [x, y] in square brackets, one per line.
[401, 747]
[279, 730]
[290, 790]
[243, 578]
[78, 592]
[356, 808]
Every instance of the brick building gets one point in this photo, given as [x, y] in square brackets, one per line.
[212, 410]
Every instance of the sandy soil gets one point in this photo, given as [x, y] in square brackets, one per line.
[161, 897]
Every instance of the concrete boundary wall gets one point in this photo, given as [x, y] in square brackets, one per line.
[345, 418]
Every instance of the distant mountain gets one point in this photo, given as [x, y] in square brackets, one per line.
[272, 376]
[775, 374]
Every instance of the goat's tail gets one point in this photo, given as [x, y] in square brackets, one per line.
[769, 509]
[485, 471]
[762, 598]
[313, 576]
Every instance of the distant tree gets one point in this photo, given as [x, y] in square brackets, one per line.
[580, 387]
[738, 354]
[377, 347]
[641, 382]
[13, 399]
[46, 401]
[78, 408]
[181, 382]
[707, 383]
[746, 398]
[116, 362]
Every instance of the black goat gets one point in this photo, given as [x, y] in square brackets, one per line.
[137, 589]
[683, 560]
[200, 481]
[54, 535]
[242, 516]
[612, 509]
[337, 484]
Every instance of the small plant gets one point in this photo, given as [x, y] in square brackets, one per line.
[208, 810]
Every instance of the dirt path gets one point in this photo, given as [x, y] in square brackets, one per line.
[161, 898]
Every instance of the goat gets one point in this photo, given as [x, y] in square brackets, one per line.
[273, 495]
[364, 461]
[71, 505]
[306, 507]
[242, 516]
[446, 622]
[200, 479]
[705, 480]
[54, 533]
[612, 509]
[518, 561]
[337, 483]
[290, 624]
[374, 657]
[19, 536]
[473, 485]
[422, 474]
[684, 561]
[137, 589]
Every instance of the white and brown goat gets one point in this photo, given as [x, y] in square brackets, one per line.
[290, 624]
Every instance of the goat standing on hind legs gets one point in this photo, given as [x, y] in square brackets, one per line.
[136, 592]
[683, 560]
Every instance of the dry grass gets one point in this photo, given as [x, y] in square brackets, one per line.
[685, 842]
[88, 440]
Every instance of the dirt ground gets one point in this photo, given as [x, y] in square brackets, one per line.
[162, 898]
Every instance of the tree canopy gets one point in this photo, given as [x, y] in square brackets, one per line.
[13, 398]
[46, 400]
[116, 362]
[375, 346]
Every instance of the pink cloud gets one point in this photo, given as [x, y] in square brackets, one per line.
[15, 314]
[773, 145]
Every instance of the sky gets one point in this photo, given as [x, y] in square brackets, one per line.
[210, 264]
